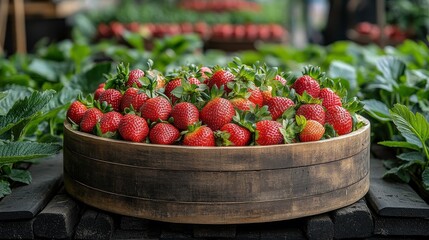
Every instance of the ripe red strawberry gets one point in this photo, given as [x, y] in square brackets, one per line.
[155, 109]
[329, 98]
[203, 71]
[267, 95]
[133, 128]
[170, 86]
[242, 104]
[163, 133]
[112, 97]
[268, 133]
[98, 92]
[193, 80]
[238, 136]
[76, 112]
[217, 112]
[277, 105]
[134, 78]
[313, 131]
[308, 84]
[340, 119]
[312, 112]
[132, 97]
[256, 96]
[109, 122]
[184, 115]
[91, 117]
[221, 78]
[280, 79]
[200, 136]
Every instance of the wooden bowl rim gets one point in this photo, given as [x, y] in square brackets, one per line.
[364, 128]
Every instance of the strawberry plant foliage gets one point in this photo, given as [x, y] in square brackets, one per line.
[414, 128]
[17, 124]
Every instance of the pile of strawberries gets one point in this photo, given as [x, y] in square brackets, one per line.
[238, 105]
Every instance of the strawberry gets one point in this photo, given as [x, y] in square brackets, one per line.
[163, 133]
[109, 122]
[267, 95]
[256, 96]
[242, 104]
[193, 80]
[154, 109]
[280, 79]
[277, 105]
[268, 133]
[203, 71]
[133, 97]
[233, 134]
[170, 86]
[312, 112]
[340, 119]
[220, 78]
[91, 117]
[199, 136]
[98, 92]
[217, 112]
[112, 97]
[134, 78]
[308, 84]
[329, 98]
[184, 115]
[313, 131]
[76, 112]
[133, 128]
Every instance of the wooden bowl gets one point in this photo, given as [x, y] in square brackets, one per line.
[217, 185]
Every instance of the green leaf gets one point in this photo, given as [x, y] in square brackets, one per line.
[343, 70]
[411, 156]
[399, 144]
[13, 94]
[78, 53]
[19, 151]
[135, 40]
[44, 69]
[377, 110]
[24, 109]
[19, 175]
[415, 128]
[4, 188]
[391, 68]
[425, 178]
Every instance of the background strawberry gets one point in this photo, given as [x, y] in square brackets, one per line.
[256, 96]
[133, 128]
[277, 105]
[242, 104]
[312, 112]
[217, 112]
[134, 78]
[220, 78]
[184, 114]
[76, 112]
[280, 79]
[163, 133]
[313, 131]
[154, 109]
[199, 136]
[91, 117]
[112, 97]
[268, 133]
[340, 119]
[308, 84]
[170, 86]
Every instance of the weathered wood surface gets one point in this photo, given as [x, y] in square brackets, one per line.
[394, 199]
[217, 185]
[26, 201]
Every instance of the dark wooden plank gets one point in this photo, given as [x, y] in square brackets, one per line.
[354, 221]
[17, 229]
[26, 201]
[95, 225]
[394, 199]
[215, 231]
[58, 219]
[401, 226]
[319, 227]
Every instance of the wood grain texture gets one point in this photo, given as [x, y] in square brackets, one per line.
[217, 185]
